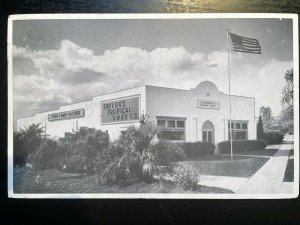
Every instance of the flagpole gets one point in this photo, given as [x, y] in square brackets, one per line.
[228, 69]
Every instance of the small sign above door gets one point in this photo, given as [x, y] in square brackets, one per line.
[207, 104]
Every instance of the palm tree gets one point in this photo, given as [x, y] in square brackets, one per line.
[31, 137]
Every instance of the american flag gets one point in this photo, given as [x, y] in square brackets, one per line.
[244, 44]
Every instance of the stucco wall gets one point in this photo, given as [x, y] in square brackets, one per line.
[182, 103]
[158, 101]
[92, 116]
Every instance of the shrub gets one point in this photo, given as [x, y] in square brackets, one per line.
[241, 146]
[47, 156]
[196, 150]
[75, 163]
[80, 151]
[168, 153]
[186, 178]
[27, 180]
[20, 155]
[136, 156]
[273, 137]
[26, 142]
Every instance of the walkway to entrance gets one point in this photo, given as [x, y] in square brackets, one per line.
[267, 180]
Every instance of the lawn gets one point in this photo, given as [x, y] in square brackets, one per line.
[223, 165]
[53, 181]
[266, 152]
[289, 171]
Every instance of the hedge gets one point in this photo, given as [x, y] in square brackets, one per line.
[196, 150]
[273, 137]
[241, 146]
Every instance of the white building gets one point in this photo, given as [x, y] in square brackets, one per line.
[200, 114]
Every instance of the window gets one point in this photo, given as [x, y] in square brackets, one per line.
[180, 124]
[161, 123]
[239, 130]
[244, 126]
[174, 135]
[171, 123]
[171, 128]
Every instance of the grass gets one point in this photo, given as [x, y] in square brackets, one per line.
[266, 152]
[53, 181]
[223, 165]
[289, 171]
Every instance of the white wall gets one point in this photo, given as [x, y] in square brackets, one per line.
[181, 103]
[92, 116]
[157, 101]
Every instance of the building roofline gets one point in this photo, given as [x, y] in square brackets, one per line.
[178, 89]
[241, 96]
[111, 92]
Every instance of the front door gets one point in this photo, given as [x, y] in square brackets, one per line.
[207, 136]
[208, 132]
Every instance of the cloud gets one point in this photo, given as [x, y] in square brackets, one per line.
[46, 79]
[80, 77]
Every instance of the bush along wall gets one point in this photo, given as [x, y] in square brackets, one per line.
[241, 146]
[196, 150]
[273, 137]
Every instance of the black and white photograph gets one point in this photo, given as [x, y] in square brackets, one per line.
[153, 106]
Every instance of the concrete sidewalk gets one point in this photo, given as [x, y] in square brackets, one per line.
[267, 180]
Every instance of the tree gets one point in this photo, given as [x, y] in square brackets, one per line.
[26, 142]
[286, 117]
[287, 98]
[266, 113]
[270, 123]
[259, 129]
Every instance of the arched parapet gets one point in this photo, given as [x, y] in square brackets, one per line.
[207, 89]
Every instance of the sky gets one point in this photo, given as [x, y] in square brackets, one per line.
[59, 62]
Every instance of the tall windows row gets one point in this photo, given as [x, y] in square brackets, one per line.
[171, 128]
[239, 130]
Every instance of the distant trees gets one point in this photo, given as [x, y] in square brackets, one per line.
[266, 113]
[286, 117]
[284, 122]
[269, 122]
[260, 129]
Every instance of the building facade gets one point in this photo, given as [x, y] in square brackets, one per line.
[199, 114]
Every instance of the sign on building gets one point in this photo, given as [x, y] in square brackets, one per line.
[123, 110]
[66, 115]
[207, 104]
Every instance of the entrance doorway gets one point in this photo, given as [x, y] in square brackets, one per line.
[208, 134]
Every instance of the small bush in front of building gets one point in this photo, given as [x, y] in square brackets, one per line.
[186, 178]
[196, 150]
[80, 150]
[137, 156]
[273, 137]
[134, 158]
[168, 153]
[47, 156]
[241, 146]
